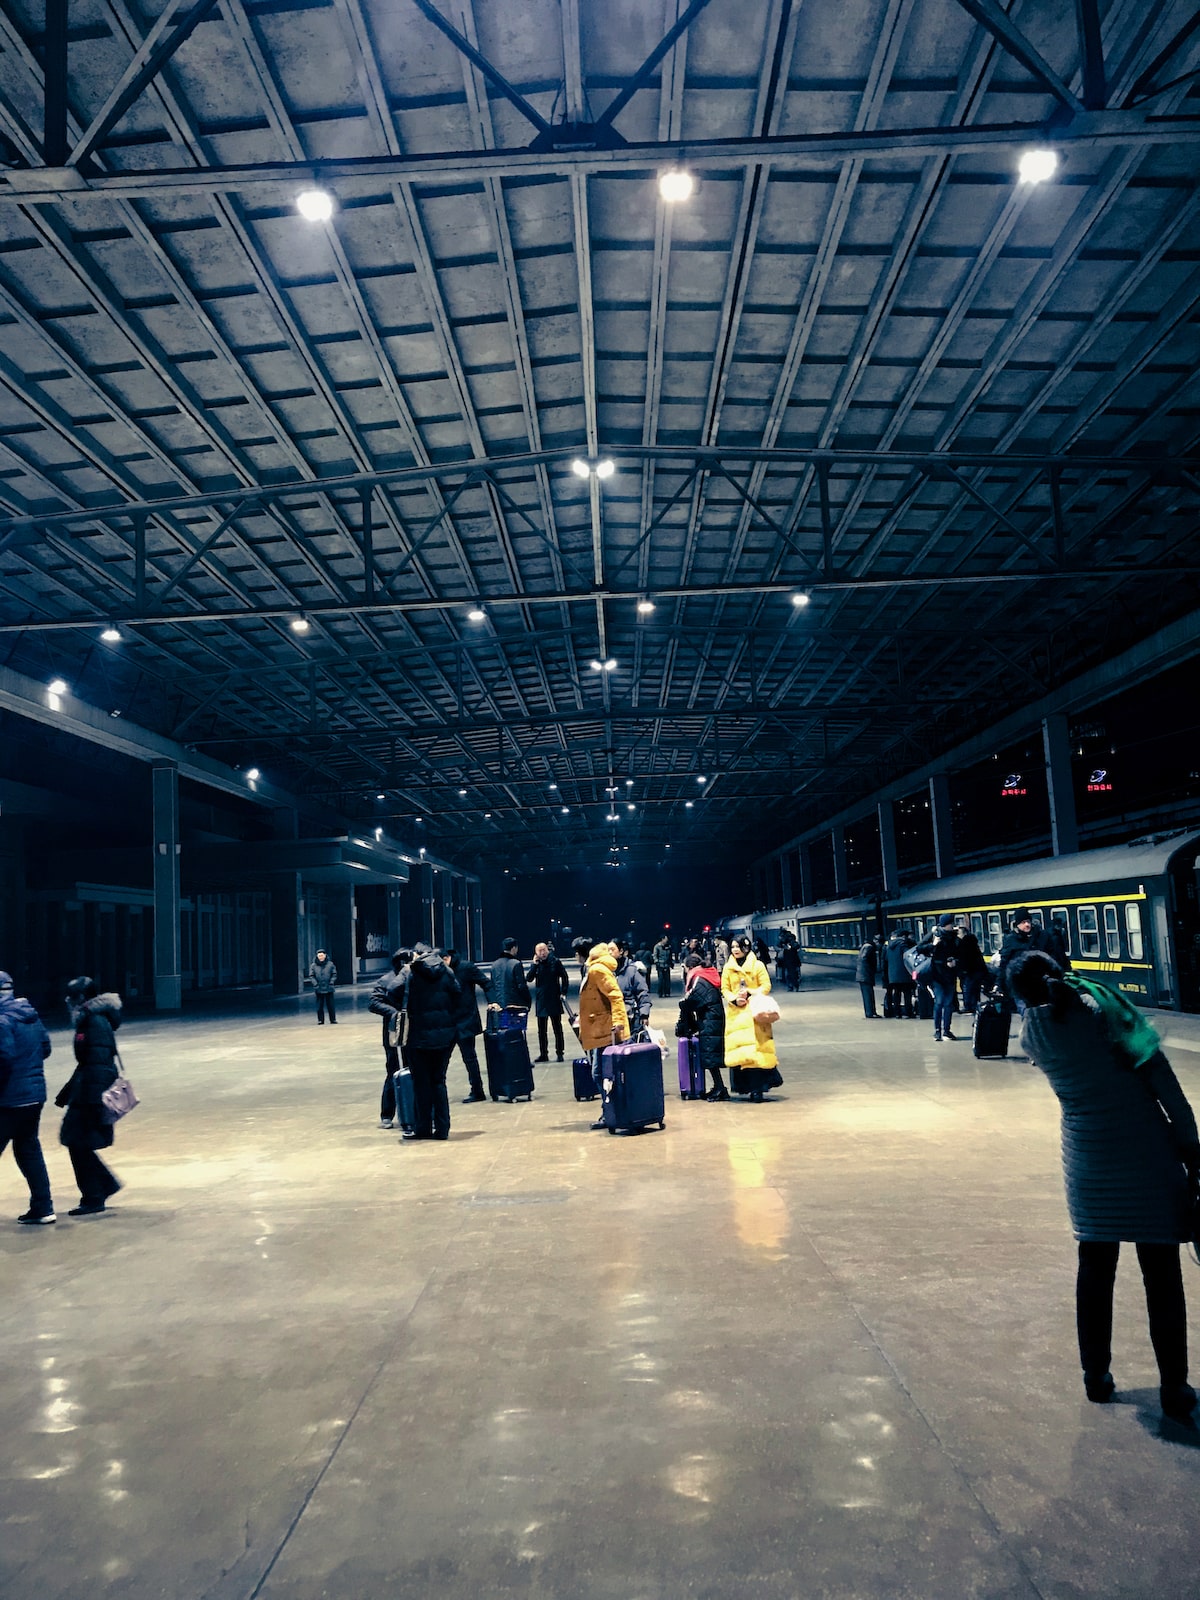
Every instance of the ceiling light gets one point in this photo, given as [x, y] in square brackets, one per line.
[676, 185]
[381, 797]
[462, 791]
[418, 819]
[688, 804]
[378, 833]
[253, 774]
[476, 616]
[645, 607]
[701, 780]
[487, 816]
[554, 786]
[596, 666]
[631, 808]
[610, 665]
[565, 809]
[114, 713]
[580, 468]
[605, 468]
[314, 205]
[612, 817]
[1035, 166]
[111, 634]
[299, 624]
[57, 686]
[801, 598]
[629, 783]
[422, 849]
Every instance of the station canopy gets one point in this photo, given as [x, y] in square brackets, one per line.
[589, 426]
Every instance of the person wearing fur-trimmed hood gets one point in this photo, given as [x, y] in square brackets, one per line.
[85, 1128]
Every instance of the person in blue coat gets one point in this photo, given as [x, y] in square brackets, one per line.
[1131, 1160]
[24, 1046]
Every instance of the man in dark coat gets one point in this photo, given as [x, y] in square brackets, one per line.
[898, 995]
[24, 1046]
[662, 966]
[85, 1128]
[550, 984]
[388, 1002]
[1022, 936]
[972, 970]
[865, 968]
[702, 1015]
[433, 1000]
[942, 947]
[466, 1016]
[508, 988]
[324, 981]
[1056, 943]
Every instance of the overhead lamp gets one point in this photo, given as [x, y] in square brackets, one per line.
[378, 834]
[253, 774]
[645, 607]
[418, 819]
[629, 783]
[487, 816]
[580, 468]
[612, 817]
[610, 665]
[1036, 166]
[314, 205]
[676, 185]
[801, 598]
[586, 469]
[565, 810]
[554, 786]
[299, 624]
[631, 808]
[422, 849]
[605, 468]
[57, 686]
[477, 615]
[700, 779]
[462, 792]
[688, 804]
[381, 796]
[111, 634]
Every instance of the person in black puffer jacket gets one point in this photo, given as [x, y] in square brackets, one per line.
[85, 1128]
[941, 946]
[24, 1046]
[469, 978]
[433, 1001]
[702, 1013]
[388, 1001]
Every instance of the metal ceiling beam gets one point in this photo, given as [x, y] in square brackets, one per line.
[990, 15]
[50, 185]
[648, 67]
[483, 65]
[55, 90]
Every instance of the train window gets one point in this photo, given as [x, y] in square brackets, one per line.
[1133, 927]
[1089, 932]
[977, 927]
[1037, 919]
[1059, 915]
[1112, 933]
[995, 931]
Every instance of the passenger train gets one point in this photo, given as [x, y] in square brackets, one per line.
[1130, 913]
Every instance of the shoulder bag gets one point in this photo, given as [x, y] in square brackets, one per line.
[119, 1099]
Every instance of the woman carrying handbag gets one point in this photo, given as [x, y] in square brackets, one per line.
[749, 1015]
[87, 1126]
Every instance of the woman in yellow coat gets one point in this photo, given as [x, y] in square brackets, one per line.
[601, 1010]
[749, 1045]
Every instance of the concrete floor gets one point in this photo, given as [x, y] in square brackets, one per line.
[817, 1348]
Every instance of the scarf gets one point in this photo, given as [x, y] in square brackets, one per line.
[710, 973]
[1130, 1032]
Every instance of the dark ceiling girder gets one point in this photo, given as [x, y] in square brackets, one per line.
[992, 17]
[1091, 50]
[54, 97]
[1142, 87]
[493, 75]
[1089, 128]
[615, 107]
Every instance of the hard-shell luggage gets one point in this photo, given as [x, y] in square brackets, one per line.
[992, 1023]
[636, 1097]
[509, 1070]
[585, 1082]
[691, 1073]
[406, 1100]
[925, 1002]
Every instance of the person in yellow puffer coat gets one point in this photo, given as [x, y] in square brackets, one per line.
[601, 1010]
[749, 1045]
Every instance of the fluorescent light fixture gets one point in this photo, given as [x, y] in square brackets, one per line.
[476, 616]
[418, 819]
[801, 598]
[676, 185]
[57, 686]
[580, 468]
[111, 634]
[1036, 166]
[645, 607]
[596, 666]
[314, 205]
[605, 468]
[487, 815]
[253, 774]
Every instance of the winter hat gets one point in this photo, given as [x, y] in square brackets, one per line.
[1021, 916]
[5, 981]
[946, 921]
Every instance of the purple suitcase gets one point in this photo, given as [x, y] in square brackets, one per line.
[635, 1098]
[691, 1073]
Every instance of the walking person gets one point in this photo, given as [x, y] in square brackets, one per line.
[324, 981]
[468, 1027]
[24, 1047]
[1131, 1161]
[603, 1019]
[749, 1043]
[702, 1015]
[433, 997]
[85, 1128]
[388, 1002]
[866, 966]
[550, 985]
[662, 967]
[898, 996]
[972, 970]
[941, 946]
[787, 965]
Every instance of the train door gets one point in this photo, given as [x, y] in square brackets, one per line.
[1185, 926]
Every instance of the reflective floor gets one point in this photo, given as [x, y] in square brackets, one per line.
[821, 1347]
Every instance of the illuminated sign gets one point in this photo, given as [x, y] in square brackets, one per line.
[1012, 786]
[1097, 783]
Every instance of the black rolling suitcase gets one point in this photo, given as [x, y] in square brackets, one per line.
[992, 1023]
[925, 1002]
[585, 1083]
[509, 1070]
[635, 1099]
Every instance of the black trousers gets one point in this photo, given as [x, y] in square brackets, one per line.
[471, 1061]
[1165, 1306]
[19, 1124]
[428, 1068]
[324, 1000]
[897, 996]
[543, 1030]
[96, 1182]
[664, 983]
[867, 990]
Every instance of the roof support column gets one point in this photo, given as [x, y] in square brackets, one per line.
[287, 914]
[394, 930]
[840, 874]
[168, 981]
[804, 886]
[943, 829]
[1064, 829]
[475, 922]
[343, 924]
[785, 879]
[887, 847]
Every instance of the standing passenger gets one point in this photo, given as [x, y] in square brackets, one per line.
[662, 966]
[865, 970]
[466, 1018]
[324, 979]
[388, 1002]
[85, 1128]
[603, 1019]
[1131, 1159]
[972, 969]
[508, 988]
[941, 946]
[550, 984]
[702, 1015]
[898, 996]
[24, 1046]
[749, 1043]
[433, 995]
[1022, 936]
[634, 989]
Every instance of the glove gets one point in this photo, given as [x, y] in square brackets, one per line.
[60, 1099]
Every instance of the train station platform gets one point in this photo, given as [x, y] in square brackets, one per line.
[819, 1348]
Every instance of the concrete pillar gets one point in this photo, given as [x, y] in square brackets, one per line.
[342, 942]
[285, 822]
[887, 847]
[394, 933]
[168, 980]
[287, 915]
[446, 939]
[804, 888]
[785, 877]
[428, 912]
[1064, 828]
[841, 884]
[943, 831]
[475, 921]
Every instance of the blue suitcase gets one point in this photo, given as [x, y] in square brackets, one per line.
[585, 1083]
[633, 1096]
[509, 1070]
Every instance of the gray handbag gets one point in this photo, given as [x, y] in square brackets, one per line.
[119, 1099]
